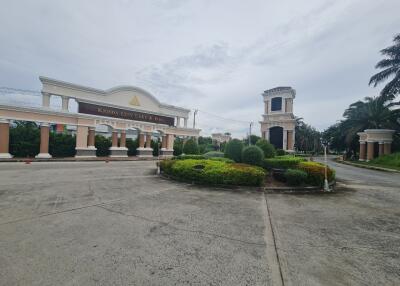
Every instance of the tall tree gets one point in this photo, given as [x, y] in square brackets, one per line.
[391, 68]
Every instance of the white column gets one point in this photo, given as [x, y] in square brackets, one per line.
[267, 134]
[65, 102]
[46, 99]
[178, 121]
[185, 122]
[284, 139]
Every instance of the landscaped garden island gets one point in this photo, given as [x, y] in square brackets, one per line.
[255, 165]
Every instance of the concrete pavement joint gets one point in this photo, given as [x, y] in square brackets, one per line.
[181, 229]
[269, 236]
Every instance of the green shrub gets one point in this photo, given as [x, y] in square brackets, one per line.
[186, 157]
[155, 145]
[214, 154]
[213, 172]
[268, 148]
[252, 155]
[226, 160]
[24, 139]
[62, 145]
[280, 152]
[191, 147]
[178, 147]
[132, 145]
[233, 150]
[390, 160]
[316, 173]
[103, 145]
[282, 162]
[295, 177]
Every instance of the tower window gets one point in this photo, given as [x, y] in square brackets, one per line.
[276, 104]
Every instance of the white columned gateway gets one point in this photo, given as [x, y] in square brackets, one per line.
[121, 108]
[278, 124]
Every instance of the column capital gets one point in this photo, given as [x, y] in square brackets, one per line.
[44, 124]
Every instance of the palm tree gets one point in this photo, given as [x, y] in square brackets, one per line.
[374, 113]
[391, 68]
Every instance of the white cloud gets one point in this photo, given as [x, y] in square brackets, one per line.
[217, 56]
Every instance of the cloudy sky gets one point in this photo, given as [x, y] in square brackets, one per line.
[216, 56]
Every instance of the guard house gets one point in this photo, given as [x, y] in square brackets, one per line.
[120, 108]
[278, 124]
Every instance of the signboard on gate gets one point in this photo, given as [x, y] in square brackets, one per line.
[95, 109]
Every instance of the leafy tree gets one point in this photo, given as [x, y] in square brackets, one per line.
[252, 155]
[268, 148]
[132, 145]
[307, 138]
[253, 139]
[155, 145]
[391, 68]
[233, 150]
[178, 147]
[191, 147]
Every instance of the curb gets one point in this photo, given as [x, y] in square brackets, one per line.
[73, 159]
[308, 189]
[367, 166]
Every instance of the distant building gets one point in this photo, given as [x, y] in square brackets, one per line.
[221, 137]
[278, 124]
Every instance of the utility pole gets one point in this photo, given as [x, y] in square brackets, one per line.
[251, 123]
[194, 118]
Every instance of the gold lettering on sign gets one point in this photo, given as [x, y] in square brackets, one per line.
[134, 101]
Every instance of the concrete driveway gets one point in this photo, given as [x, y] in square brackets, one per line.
[351, 237]
[97, 223]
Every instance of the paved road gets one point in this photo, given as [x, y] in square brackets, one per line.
[351, 237]
[92, 223]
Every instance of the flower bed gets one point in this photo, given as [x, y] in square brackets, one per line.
[282, 162]
[316, 173]
[213, 172]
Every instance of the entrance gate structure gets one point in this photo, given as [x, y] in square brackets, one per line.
[278, 124]
[121, 108]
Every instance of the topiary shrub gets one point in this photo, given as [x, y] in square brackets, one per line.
[252, 155]
[227, 160]
[214, 154]
[186, 157]
[61, 145]
[178, 147]
[280, 152]
[295, 177]
[282, 162]
[268, 148]
[316, 173]
[24, 139]
[191, 147]
[103, 145]
[132, 145]
[233, 150]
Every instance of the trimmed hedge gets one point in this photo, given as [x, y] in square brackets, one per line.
[213, 172]
[268, 148]
[252, 155]
[280, 152]
[295, 177]
[201, 157]
[191, 147]
[214, 154]
[316, 173]
[233, 150]
[282, 162]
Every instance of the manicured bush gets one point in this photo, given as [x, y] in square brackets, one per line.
[214, 154]
[62, 145]
[132, 145]
[227, 160]
[191, 147]
[295, 177]
[178, 147]
[233, 150]
[268, 148]
[213, 172]
[186, 157]
[103, 145]
[316, 173]
[155, 145]
[282, 162]
[280, 152]
[252, 155]
[24, 139]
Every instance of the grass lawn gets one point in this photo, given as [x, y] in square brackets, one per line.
[391, 161]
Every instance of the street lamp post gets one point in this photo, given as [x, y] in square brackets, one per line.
[326, 184]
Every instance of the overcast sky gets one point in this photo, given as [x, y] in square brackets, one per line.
[217, 56]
